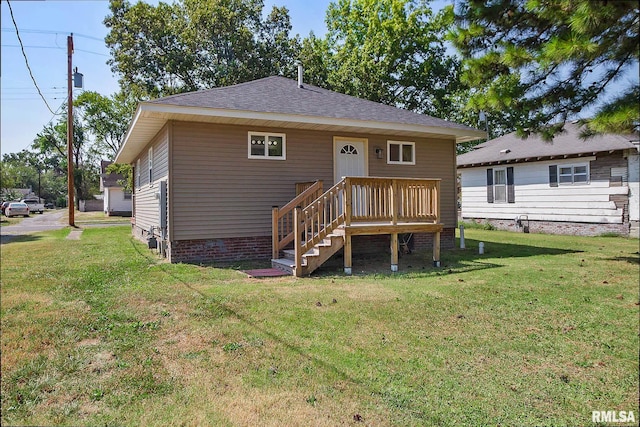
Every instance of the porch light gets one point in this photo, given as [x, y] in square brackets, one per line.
[379, 153]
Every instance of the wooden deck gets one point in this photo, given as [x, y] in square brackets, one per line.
[355, 206]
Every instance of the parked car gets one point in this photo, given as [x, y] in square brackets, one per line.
[15, 209]
[49, 206]
[4, 205]
[34, 205]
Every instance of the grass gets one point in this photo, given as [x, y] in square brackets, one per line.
[4, 221]
[95, 218]
[540, 330]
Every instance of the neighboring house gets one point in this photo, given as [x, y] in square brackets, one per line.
[116, 200]
[18, 193]
[218, 174]
[568, 186]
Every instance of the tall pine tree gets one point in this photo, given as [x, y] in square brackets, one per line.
[552, 60]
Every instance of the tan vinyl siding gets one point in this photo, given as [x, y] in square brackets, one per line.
[218, 192]
[147, 208]
[435, 158]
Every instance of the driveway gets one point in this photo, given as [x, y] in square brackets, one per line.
[36, 222]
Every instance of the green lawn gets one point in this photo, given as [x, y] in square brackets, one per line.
[540, 330]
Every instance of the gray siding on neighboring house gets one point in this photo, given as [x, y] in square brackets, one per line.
[147, 211]
[218, 192]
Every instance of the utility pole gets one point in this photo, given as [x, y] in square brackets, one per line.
[70, 186]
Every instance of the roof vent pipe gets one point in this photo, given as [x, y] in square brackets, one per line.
[300, 73]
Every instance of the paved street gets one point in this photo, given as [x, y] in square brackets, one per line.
[36, 222]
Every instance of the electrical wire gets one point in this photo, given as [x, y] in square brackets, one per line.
[55, 32]
[53, 47]
[27, 60]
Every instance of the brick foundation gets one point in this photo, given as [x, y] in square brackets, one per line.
[220, 250]
[259, 247]
[556, 227]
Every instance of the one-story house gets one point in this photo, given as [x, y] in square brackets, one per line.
[568, 186]
[115, 198]
[218, 173]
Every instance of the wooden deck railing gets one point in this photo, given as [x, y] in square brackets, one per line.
[392, 199]
[356, 200]
[303, 186]
[282, 218]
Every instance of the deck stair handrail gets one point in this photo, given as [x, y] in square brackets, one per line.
[356, 200]
[320, 218]
[282, 218]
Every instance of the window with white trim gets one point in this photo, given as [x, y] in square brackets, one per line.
[401, 152]
[573, 174]
[267, 145]
[150, 162]
[500, 185]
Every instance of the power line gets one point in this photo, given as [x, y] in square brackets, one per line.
[30, 144]
[25, 58]
[54, 47]
[24, 30]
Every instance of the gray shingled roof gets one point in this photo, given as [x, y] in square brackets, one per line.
[510, 148]
[109, 179]
[282, 95]
[278, 102]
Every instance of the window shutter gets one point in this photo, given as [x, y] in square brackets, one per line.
[489, 185]
[553, 176]
[511, 192]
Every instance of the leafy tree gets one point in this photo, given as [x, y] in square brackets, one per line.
[107, 118]
[314, 54]
[28, 169]
[390, 51]
[51, 143]
[127, 174]
[7, 181]
[550, 60]
[196, 44]
[20, 170]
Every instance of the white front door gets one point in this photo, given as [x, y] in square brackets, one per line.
[350, 157]
[351, 160]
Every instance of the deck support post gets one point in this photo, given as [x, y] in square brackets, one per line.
[394, 252]
[347, 254]
[275, 234]
[297, 241]
[436, 249]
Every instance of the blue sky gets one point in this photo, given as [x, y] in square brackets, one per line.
[44, 27]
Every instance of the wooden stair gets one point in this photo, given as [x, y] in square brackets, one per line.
[313, 258]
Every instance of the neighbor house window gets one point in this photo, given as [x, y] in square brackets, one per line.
[501, 185]
[267, 145]
[127, 195]
[400, 152]
[150, 160]
[568, 174]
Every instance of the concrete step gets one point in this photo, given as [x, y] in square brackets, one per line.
[291, 253]
[283, 264]
[313, 258]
